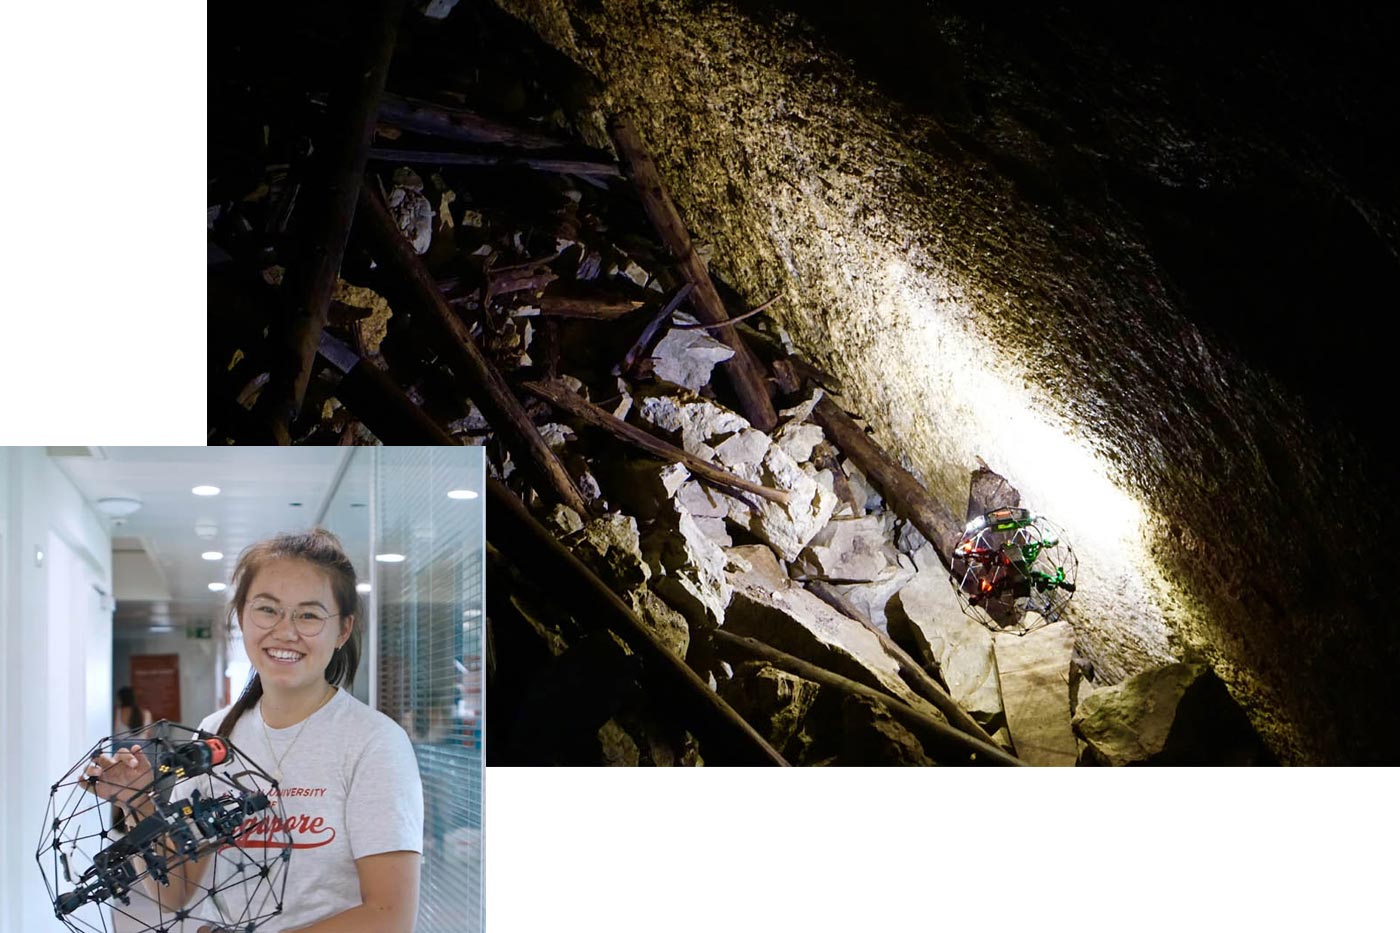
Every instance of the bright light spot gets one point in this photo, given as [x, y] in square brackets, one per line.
[461, 494]
[217, 587]
[160, 629]
[389, 558]
[982, 404]
[213, 555]
[361, 587]
[205, 490]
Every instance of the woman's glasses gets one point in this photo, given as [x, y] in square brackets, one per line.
[308, 622]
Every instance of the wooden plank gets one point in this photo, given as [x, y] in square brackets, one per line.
[481, 379]
[902, 491]
[558, 394]
[743, 368]
[948, 744]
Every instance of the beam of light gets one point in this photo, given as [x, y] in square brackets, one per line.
[982, 404]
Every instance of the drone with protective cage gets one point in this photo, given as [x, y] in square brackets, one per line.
[209, 800]
[1010, 562]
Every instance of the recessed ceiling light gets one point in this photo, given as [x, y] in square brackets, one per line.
[161, 629]
[213, 555]
[389, 558]
[117, 506]
[461, 494]
[361, 587]
[205, 490]
[218, 587]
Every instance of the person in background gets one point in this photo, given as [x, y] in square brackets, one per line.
[130, 716]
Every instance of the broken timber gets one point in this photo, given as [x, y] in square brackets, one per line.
[724, 735]
[905, 495]
[370, 395]
[484, 382]
[647, 337]
[430, 119]
[958, 747]
[558, 166]
[559, 395]
[743, 368]
[330, 198]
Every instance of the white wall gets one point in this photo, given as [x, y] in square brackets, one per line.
[55, 657]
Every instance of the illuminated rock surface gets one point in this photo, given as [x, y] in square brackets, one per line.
[766, 605]
[1179, 714]
[1034, 674]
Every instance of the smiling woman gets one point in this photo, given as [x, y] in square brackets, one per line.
[346, 773]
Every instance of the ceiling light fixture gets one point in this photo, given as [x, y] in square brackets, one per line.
[362, 587]
[461, 494]
[217, 587]
[117, 506]
[213, 555]
[389, 558]
[205, 490]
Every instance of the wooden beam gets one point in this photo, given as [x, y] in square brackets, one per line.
[558, 166]
[946, 743]
[583, 306]
[725, 737]
[557, 394]
[743, 368]
[481, 379]
[430, 119]
[647, 338]
[329, 199]
[905, 496]
[374, 398]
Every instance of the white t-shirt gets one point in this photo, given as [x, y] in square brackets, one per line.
[350, 788]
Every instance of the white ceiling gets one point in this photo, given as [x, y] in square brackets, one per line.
[264, 490]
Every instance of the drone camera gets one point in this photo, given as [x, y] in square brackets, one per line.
[67, 903]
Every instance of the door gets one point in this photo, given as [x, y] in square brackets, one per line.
[156, 680]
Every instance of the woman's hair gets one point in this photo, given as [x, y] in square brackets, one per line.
[321, 549]
[127, 697]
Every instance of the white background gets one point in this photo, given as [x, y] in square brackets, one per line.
[102, 342]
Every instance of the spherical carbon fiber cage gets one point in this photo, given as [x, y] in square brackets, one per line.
[1009, 564]
[228, 812]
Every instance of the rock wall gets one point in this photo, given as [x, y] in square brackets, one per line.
[985, 246]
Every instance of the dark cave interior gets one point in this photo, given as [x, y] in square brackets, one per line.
[1248, 151]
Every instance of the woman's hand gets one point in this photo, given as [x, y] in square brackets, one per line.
[121, 776]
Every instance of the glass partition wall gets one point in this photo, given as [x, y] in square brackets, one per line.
[413, 522]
